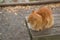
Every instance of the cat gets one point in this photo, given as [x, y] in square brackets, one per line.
[41, 19]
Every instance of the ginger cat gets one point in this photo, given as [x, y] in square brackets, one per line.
[41, 19]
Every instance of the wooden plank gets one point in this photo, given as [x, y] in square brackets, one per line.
[29, 3]
[12, 26]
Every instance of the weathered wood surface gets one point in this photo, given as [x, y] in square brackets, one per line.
[50, 34]
[12, 27]
[29, 3]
